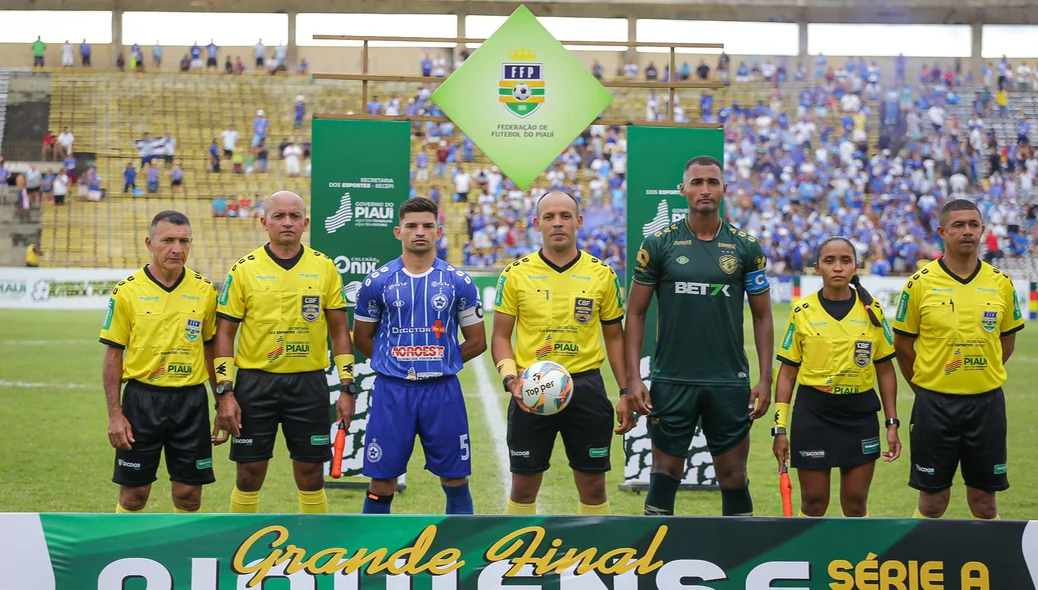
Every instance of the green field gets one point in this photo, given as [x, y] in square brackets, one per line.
[55, 456]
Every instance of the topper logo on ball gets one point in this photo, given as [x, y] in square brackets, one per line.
[521, 89]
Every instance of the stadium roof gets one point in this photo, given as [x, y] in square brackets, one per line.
[1017, 12]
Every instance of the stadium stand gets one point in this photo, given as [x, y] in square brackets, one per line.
[803, 160]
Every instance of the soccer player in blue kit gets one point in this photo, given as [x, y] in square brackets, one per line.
[412, 308]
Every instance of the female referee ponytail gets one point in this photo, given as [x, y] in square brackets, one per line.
[838, 352]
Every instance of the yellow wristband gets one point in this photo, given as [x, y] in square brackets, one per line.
[506, 368]
[781, 415]
[344, 364]
[223, 365]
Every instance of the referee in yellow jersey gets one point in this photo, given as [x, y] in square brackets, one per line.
[559, 297]
[837, 344]
[158, 332]
[955, 329]
[287, 298]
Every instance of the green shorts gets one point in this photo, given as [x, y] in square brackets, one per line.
[677, 408]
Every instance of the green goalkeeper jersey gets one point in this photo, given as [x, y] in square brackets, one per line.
[699, 287]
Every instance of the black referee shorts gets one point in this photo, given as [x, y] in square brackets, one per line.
[586, 425]
[834, 431]
[299, 402]
[949, 429]
[172, 418]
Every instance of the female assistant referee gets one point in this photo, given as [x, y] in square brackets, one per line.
[837, 344]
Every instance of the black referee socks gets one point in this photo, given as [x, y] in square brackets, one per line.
[659, 501]
[736, 501]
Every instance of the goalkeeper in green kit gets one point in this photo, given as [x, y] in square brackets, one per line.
[699, 268]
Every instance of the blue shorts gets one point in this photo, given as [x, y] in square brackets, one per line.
[433, 409]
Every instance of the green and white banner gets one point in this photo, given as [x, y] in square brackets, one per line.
[361, 174]
[656, 158]
[325, 552]
[522, 97]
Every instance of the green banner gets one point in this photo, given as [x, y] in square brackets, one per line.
[361, 174]
[325, 552]
[656, 158]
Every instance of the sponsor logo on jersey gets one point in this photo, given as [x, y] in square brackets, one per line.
[989, 320]
[515, 453]
[728, 263]
[582, 308]
[192, 329]
[311, 307]
[682, 259]
[924, 470]
[404, 284]
[537, 277]
[862, 353]
[266, 278]
[109, 314]
[148, 298]
[762, 262]
[417, 353]
[129, 465]
[279, 349]
[643, 259]
[499, 297]
[580, 278]
[598, 452]
[297, 349]
[438, 328]
[902, 307]
[685, 243]
[886, 331]
[191, 297]
[709, 289]
[318, 440]
[545, 349]
[975, 362]
[955, 363]
[204, 464]
[812, 454]
[157, 373]
[411, 375]
[439, 302]
[787, 340]
[418, 330]
[566, 348]
[399, 303]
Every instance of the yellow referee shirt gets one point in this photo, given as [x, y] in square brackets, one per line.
[280, 304]
[162, 329]
[958, 324]
[559, 309]
[835, 356]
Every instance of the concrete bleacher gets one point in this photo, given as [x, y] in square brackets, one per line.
[107, 111]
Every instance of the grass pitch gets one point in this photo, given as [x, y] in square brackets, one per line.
[55, 456]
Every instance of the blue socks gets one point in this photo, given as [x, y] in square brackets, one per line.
[459, 499]
[375, 504]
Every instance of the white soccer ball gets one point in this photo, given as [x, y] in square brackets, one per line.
[546, 388]
[521, 91]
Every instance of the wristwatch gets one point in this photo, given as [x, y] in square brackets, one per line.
[224, 388]
[777, 430]
[506, 381]
[893, 422]
[349, 389]
[623, 391]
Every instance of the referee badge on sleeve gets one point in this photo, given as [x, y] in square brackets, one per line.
[582, 307]
[311, 307]
[862, 353]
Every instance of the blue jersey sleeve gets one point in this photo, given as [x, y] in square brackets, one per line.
[470, 306]
[369, 302]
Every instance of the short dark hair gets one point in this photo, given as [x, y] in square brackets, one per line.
[418, 205]
[170, 216]
[541, 198]
[958, 205]
[702, 161]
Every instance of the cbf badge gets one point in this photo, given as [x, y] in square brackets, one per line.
[192, 329]
[862, 353]
[311, 307]
[989, 320]
[521, 88]
[582, 308]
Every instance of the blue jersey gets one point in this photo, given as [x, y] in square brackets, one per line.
[196, 52]
[418, 318]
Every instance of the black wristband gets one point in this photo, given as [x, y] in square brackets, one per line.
[623, 391]
[506, 381]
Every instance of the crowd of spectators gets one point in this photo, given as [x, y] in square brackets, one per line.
[860, 154]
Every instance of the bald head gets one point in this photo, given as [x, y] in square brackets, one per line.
[556, 200]
[283, 200]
